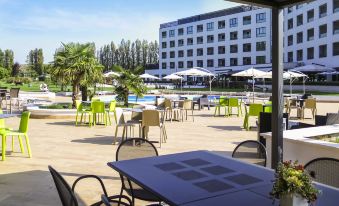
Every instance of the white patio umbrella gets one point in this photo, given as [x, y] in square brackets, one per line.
[313, 68]
[148, 76]
[172, 76]
[251, 72]
[111, 73]
[197, 71]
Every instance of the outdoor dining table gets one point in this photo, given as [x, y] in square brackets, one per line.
[200, 178]
[5, 116]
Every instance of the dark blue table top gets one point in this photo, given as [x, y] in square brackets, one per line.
[203, 178]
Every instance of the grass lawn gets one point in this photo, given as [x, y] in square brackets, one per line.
[33, 87]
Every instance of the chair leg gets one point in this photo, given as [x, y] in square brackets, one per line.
[12, 143]
[192, 116]
[76, 119]
[28, 146]
[3, 147]
[115, 136]
[21, 145]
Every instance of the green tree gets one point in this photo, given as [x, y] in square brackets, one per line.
[35, 60]
[2, 59]
[15, 69]
[8, 59]
[79, 64]
[128, 81]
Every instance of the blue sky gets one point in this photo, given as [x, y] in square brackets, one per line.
[29, 24]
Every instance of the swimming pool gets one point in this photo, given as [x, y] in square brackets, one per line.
[149, 98]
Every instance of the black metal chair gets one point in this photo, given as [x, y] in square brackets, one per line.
[131, 149]
[251, 151]
[324, 170]
[67, 195]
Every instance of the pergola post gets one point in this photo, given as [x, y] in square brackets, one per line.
[277, 86]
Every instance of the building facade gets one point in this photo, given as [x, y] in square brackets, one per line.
[240, 37]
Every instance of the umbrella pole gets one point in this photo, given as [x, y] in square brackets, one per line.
[181, 84]
[290, 85]
[304, 87]
[253, 87]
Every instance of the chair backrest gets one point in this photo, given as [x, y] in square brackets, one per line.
[2, 121]
[223, 101]
[203, 101]
[188, 104]
[265, 124]
[150, 118]
[310, 103]
[255, 109]
[78, 105]
[137, 115]
[98, 107]
[66, 194]
[168, 103]
[324, 170]
[268, 108]
[252, 152]
[291, 102]
[119, 116]
[24, 122]
[14, 92]
[332, 118]
[160, 102]
[233, 102]
[112, 105]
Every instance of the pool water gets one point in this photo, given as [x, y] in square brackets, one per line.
[144, 99]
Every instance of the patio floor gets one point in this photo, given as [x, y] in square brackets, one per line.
[76, 151]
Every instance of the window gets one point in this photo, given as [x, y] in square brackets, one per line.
[200, 28]
[290, 9]
[290, 24]
[310, 53]
[261, 59]
[221, 37]
[210, 26]
[290, 57]
[172, 54]
[200, 40]
[221, 24]
[210, 50]
[335, 48]
[336, 27]
[322, 31]
[221, 50]
[310, 34]
[290, 40]
[322, 10]
[189, 41]
[163, 34]
[181, 53]
[172, 44]
[335, 6]
[300, 20]
[246, 61]
[163, 55]
[310, 15]
[300, 37]
[261, 17]
[200, 63]
[171, 33]
[221, 62]
[190, 30]
[210, 38]
[261, 32]
[261, 46]
[180, 42]
[322, 51]
[246, 34]
[246, 47]
[234, 48]
[246, 20]
[181, 31]
[172, 65]
[190, 52]
[180, 64]
[210, 63]
[299, 55]
[163, 45]
[233, 22]
[163, 65]
[200, 52]
[189, 64]
[233, 61]
[234, 35]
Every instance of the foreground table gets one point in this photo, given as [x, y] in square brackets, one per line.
[204, 178]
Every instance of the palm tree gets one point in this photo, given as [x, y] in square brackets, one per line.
[128, 81]
[78, 63]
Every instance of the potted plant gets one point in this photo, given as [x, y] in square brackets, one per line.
[293, 185]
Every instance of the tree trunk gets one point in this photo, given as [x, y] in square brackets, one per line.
[75, 89]
[84, 93]
[126, 98]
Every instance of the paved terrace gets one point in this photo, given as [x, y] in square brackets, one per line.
[76, 151]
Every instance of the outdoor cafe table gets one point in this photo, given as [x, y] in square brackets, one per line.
[203, 178]
[5, 116]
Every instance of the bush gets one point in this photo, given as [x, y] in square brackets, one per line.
[18, 80]
[3, 73]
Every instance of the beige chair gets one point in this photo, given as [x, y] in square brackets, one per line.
[310, 104]
[152, 118]
[122, 123]
[186, 105]
[292, 104]
[14, 99]
[170, 112]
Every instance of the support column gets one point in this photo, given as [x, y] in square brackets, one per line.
[277, 86]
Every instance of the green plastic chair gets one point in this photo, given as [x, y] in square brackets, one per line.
[254, 111]
[80, 111]
[98, 109]
[2, 122]
[268, 107]
[112, 106]
[22, 131]
[223, 102]
[234, 103]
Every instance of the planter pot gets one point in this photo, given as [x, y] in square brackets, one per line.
[292, 200]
